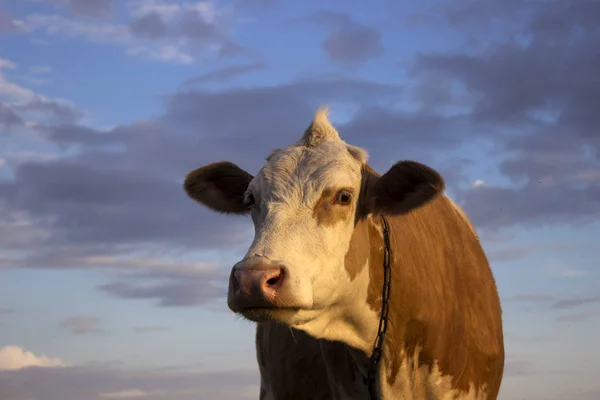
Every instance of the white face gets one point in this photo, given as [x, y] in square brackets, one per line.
[303, 204]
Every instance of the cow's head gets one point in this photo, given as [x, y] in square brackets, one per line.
[305, 203]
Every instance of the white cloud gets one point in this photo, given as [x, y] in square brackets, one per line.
[40, 69]
[478, 182]
[97, 31]
[168, 11]
[7, 64]
[167, 53]
[573, 273]
[145, 7]
[124, 394]
[14, 358]
[174, 47]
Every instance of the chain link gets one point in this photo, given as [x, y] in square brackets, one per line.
[385, 308]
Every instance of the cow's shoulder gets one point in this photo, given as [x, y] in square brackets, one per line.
[446, 320]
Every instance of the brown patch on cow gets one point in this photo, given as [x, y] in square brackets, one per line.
[360, 249]
[358, 253]
[443, 296]
[327, 212]
[220, 186]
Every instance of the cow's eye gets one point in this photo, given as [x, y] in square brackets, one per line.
[343, 197]
[249, 200]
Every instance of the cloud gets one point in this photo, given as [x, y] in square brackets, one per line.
[554, 302]
[40, 69]
[257, 5]
[531, 298]
[106, 382]
[6, 310]
[82, 325]
[124, 394]
[573, 273]
[95, 31]
[575, 302]
[172, 293]
[224, 74]
[579, 317]
[8, 118]
[19, 105]
[86, 8]
[151, 328]
[15, 358]
[175, 33]
[7, 64]
[7, 23]
[348, 42]
[515, 94]
[149, 25]
[90, 7]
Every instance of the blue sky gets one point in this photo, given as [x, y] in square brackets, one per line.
[106, 266]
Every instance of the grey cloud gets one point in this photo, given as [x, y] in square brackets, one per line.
[55, 110]
[91, 8]
[151, 328]
[82, 325]
[6, 310]
[257, 5]
[555, 302]
[520, 367]
[531, 297]
[150, 25]
[190, 25]
[86, 8]
[224, 74]
[7, 24]
[523, 250]
[579, 317]
[176, 293]
[575, 302]
[194, 25]
[348, 41]
[89, 382]
[352, 43]
[8, 118]
[67, 134]
[537, 108]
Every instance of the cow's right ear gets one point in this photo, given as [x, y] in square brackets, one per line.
[404, 187]
[219, 186]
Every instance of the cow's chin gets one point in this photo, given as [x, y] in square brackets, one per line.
[288, 315]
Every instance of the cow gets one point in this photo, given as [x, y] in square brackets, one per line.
[362, 285]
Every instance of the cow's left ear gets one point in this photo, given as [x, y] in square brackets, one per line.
[406, 186]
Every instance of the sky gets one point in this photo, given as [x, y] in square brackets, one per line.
[113, 282]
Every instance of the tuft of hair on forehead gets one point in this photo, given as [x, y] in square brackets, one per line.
[320, 129]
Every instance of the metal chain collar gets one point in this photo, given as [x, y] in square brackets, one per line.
[375, 358]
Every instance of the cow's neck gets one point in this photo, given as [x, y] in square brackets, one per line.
[365, 264]
[352, 319]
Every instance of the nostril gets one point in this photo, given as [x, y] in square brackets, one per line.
[275, 278]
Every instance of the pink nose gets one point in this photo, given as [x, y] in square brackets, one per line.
[255, 287]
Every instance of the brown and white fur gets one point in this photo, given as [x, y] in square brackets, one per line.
[312, 276]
